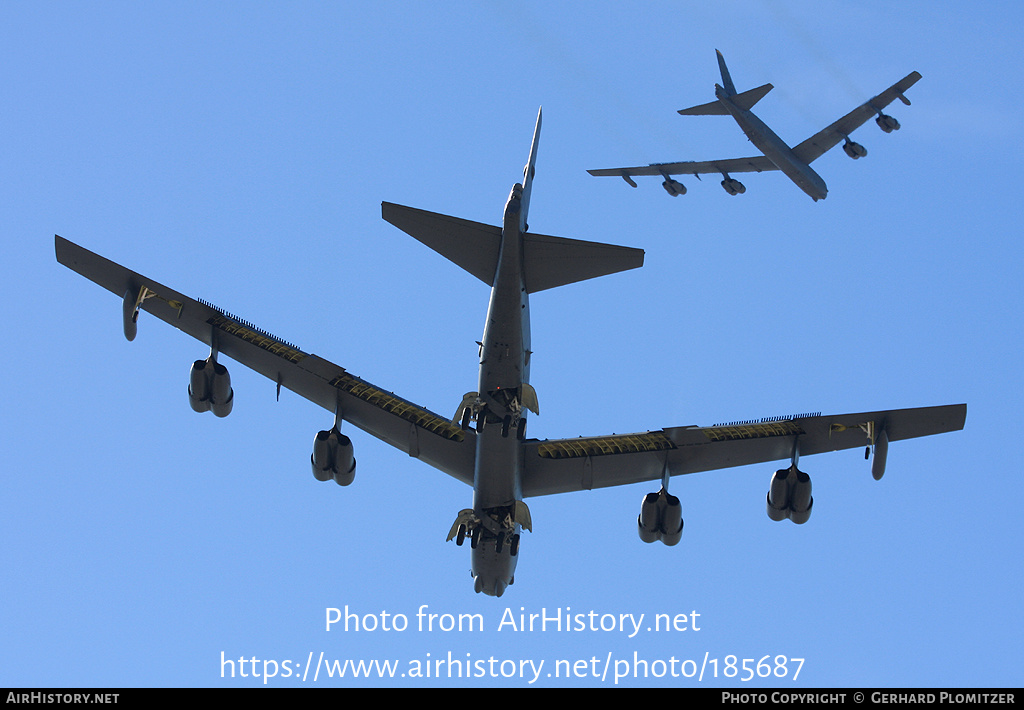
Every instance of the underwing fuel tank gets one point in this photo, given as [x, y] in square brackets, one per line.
[881, 452]
[131, 316]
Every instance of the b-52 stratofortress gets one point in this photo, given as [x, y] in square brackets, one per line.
[485, 445]
[794, 162]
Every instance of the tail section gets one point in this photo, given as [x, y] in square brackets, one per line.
[547, 261]
[745, 100]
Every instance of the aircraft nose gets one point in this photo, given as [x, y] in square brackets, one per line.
[492, 587]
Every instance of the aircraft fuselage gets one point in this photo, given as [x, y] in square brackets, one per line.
[774, 148]
[504, 369]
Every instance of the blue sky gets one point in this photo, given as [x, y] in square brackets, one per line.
[239, 153]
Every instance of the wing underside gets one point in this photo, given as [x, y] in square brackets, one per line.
[565, 465]
[406, 426]
[549, 466]
[756, 164]
[827, 138]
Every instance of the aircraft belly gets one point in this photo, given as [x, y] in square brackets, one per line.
[493, 571]
[498, 474]
[777, 151]
[805, 178]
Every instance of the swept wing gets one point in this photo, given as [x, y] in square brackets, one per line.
[824, 140]
[406, 426]
[564, 465]
[757, 164]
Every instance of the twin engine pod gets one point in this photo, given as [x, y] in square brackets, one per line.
[854, 150]
[209, 387]
[887, 123]
[733, 186]
[333, 458]
[790, 496]
[673, 187]
[661, 518]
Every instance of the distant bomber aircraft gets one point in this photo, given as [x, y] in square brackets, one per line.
[485, 444]
[794, 162]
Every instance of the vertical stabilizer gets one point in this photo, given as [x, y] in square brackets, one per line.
[528, 172]
[727, 84]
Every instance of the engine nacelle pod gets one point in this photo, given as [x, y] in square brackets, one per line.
[647, 521]
[733, 187]
[333, 458]
[661, 518]
[854, 150]
[778, 496]
[800, 499]
[674, 187]
[222, 397]
[671, 520]
[199, 387]
[209, 388]
[790, 496]
[887, 123]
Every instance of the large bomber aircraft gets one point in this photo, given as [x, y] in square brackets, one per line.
[485, 445]
[794, 162]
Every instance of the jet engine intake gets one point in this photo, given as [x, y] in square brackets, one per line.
[661, 518]
[673, 187]
[887, 123]
[209, 388]
[789, 496]
[733, 186]
[333, 457]
[854, 150]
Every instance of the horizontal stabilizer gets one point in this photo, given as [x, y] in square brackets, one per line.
[715, 108]
[555, 261]
[472, 245]
[747, 99]
[547, 261]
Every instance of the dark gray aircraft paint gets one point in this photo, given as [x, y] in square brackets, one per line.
[485, 445]
[795, 163]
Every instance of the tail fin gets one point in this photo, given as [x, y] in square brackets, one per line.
[727, 84]
[530, 169]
